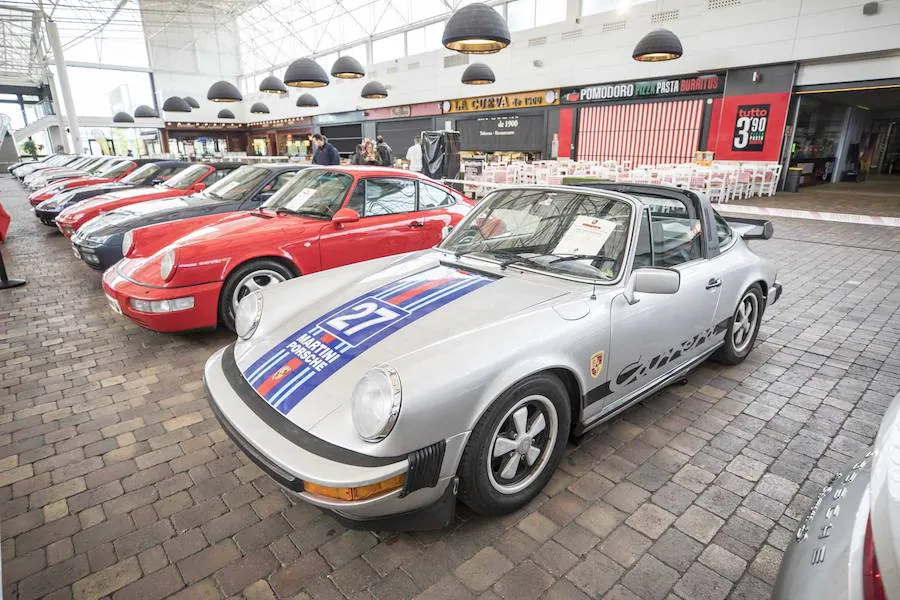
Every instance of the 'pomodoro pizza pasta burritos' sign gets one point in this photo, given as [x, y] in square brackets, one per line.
[651, 88]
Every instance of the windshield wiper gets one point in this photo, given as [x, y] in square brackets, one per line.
[572, 257]
[304, 213]
[514, 259]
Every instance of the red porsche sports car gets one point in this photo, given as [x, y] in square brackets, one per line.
[114, 173]
[189, 181]
[192, 274]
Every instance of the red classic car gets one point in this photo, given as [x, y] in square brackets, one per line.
[116, 172]
[192, 274]
[189, 181]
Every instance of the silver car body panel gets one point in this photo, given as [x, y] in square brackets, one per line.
[454, 362]
[825, 560]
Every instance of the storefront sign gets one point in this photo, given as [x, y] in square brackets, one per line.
[750, 127]
[501, 102]
[515, 133]
[401, 111]
[652, 88]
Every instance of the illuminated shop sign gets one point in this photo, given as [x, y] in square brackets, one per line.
[652, 88]
[501, 102]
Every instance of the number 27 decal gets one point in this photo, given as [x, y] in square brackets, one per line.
[364, 319]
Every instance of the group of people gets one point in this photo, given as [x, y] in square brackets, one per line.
[376, 154]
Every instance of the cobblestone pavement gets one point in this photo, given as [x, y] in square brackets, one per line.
[879, 196]
[116, 481]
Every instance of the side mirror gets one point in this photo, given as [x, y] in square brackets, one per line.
[156, 181]
[198, 187]
[344, 215]
[652, 280]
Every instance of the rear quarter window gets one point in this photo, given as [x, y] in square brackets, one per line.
[723, 233]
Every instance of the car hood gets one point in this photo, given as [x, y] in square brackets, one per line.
[309, 354]
[144, 213]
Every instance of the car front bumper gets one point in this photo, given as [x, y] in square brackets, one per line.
[98, 256]
[294, 457]
[204, 315]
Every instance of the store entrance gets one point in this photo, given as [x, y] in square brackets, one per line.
[847, 134]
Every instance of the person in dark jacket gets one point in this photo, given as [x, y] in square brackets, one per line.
[326, 154]
[385, 152]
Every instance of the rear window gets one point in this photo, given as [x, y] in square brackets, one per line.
[141, 173]
[188, 177]
[116, 169]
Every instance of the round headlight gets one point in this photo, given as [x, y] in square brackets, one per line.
[376, 403]
[167, 265]
[127, 243]
[248, 314]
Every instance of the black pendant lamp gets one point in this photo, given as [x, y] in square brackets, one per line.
[307, 101]
[224, 91]
[478, 74]
[259, 108]
[272, 85]
[122, 117]
[306, 73]
[374, 90]
[225, 114]
[476, 29]
[145, 112]
[347, 67]
[176, 104]
[658, 45]
[191, 102]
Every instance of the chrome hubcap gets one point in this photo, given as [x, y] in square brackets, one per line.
[744, 325]
[252, 282]
[522, 444]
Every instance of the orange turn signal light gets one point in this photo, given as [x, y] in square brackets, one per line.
[356, 493]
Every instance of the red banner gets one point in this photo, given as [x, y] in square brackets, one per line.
[749, 127]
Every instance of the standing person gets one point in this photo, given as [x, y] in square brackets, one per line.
[326, 154]
[370, 155]
[357, 158]
[414, 155]
[384, 152]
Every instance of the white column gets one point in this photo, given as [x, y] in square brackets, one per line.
[55, 93]
[63, 82]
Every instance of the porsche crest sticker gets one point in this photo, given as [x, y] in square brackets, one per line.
[597, 364]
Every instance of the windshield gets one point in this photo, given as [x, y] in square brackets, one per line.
[187, 178]
[556, 231]
[141, 173]
[237, 185]
[314, 192]
[97, 166]
[116, 169]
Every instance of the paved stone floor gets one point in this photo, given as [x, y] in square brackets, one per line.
[116, 481]
[879, 195]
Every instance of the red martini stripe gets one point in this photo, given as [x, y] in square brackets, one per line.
[419, 289]
[283, 371]
[327, 338]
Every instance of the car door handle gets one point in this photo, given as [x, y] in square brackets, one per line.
[713, 283]
[416, 224]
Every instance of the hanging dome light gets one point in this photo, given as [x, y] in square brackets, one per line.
[374, 90]
[307, 101]
[259, 108]
[176, 104]
[347, 67]
[478, 74]
[657, 46]
[476, 29]
[272, 85]
[305, 72]
[122, 117]
[191, 102]
[224, 91]
[145, 112]
[225, 114]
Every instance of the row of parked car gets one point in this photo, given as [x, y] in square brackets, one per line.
[190, 240]
[396, 382]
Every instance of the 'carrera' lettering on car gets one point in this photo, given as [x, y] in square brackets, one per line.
[289, 372]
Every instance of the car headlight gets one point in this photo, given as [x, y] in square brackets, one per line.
[127, 243]
[167, 265]
[376, 403]
[248, 315]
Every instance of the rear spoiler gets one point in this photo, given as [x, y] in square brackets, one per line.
[751, 229]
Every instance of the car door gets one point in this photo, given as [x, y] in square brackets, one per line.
[388, 224]
[436, 221]
[662, 332]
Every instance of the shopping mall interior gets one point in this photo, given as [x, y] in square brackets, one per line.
[445, 299]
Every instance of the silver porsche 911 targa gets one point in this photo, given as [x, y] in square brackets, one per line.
[385, 390]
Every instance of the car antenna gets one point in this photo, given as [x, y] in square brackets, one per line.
[593, 289]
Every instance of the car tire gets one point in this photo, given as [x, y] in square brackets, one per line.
[491, 485]
[742, 328]
[240, 282]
